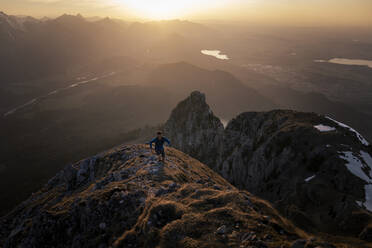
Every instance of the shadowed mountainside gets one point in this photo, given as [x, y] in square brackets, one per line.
[125, 198]
[317, 171]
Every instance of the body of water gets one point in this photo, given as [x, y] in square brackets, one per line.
[215, 53]
[340, 61]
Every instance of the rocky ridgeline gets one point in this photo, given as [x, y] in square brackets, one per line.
[316, 171]
[125, 198]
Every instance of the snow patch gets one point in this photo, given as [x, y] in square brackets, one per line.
[368, 192]
[360, 137]
[356, 166]
[224, 122]
[362, 168]
[367, 159]
[324, 128]
[310, 178]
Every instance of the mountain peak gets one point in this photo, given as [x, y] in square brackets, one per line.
[304, 163]
[70, 18]
[3, 17]
[198, 124]
[196, 102]
[125, 198]
[197, 96]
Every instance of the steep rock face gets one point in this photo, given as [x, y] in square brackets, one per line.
[125, 198]
[9, 30]
[194, 128]
[315, 170]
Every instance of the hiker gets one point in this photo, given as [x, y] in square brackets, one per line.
[159, 145]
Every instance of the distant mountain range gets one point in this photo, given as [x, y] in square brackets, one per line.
[35, 48]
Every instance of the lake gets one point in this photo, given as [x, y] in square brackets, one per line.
[340, 61]
[215, 53]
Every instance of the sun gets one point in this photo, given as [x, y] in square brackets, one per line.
[163, 9]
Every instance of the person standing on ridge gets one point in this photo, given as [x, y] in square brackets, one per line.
[159, 145]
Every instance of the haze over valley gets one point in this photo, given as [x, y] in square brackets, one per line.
[74, 85]
[71, 70]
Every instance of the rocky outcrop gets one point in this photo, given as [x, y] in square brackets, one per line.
[125, 198]
[317, 171]
[194, 128]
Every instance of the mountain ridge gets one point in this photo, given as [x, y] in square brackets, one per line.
[315, 170]
[125, 198]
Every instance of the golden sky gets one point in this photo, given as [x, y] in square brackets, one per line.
[296, 12]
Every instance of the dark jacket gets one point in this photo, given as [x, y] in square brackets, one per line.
[159, 143]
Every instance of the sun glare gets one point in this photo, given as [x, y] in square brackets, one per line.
[164, 9]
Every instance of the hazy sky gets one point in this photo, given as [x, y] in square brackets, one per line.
[297, 12]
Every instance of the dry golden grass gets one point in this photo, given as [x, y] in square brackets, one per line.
[184, 204]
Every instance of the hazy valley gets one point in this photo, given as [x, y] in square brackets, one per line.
[72, 87]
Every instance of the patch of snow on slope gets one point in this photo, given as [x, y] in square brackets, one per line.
[367, 159]
[310, 178]
[361, 168]
[356, 166]
[368, 202]
[323, 128]
[224, 122]
[360, 137]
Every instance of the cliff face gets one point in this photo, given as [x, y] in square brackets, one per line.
[317, 171]
[125, 198]
[195, 130]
